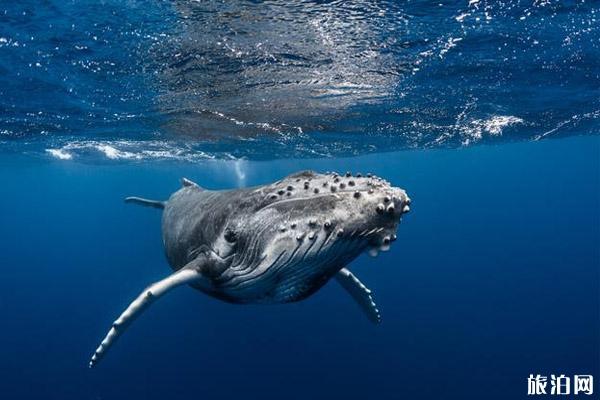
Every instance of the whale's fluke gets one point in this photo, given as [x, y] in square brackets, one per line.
[360, 293]
[145, 202]
[147, 297]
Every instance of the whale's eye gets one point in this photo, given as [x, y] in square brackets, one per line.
[230, 235]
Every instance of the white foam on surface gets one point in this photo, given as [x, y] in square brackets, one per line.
[126, 150]
[60, 154]
[476, 129]
[115, 154]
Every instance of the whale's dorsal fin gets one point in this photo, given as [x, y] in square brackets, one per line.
[185, 182]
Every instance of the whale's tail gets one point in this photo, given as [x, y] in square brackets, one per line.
[146, 202]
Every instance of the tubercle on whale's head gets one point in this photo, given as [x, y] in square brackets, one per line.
[364, 209]
[371, 208]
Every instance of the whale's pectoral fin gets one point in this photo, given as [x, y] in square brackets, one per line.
[360, 293]
[145, 202]
[187, 274]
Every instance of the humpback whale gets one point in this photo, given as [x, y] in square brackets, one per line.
[274, 243]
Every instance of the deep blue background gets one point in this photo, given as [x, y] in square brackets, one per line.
[496, 273]
[495, 276]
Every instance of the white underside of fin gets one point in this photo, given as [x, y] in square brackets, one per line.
[360, 293]
[147, 297]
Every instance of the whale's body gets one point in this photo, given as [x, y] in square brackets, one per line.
[274, 243]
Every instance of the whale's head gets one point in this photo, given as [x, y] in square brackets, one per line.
[305, 227]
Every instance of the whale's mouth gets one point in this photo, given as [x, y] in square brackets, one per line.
[374, 251]
[383, 243]
[384, 237]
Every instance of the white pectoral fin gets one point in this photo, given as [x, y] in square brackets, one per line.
[360, 293]
[185, 275]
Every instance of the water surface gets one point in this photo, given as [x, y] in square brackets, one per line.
[262, 80]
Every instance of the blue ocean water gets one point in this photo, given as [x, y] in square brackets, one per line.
[487, 113]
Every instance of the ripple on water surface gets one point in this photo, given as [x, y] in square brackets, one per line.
[196, 80]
